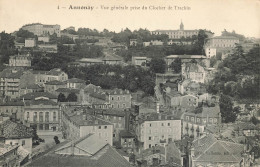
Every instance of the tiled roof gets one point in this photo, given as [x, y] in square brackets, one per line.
[5, 148]
[16, 75]
[41, 102]
[32, 86]
[224, 37]
[186, 57]
[104, 157]
[206, 112]
[209, 149]
[117, 92]
[155, 117]
[13, 130]
[55, 82]
[68, 90]
[12, 103]
[55, 71]
[81, 119]
[151, 151]
[126, 134]
[98, 95]
[89, 60]
[110, 111]
[33, 95]
[245, 126]
[75, 80]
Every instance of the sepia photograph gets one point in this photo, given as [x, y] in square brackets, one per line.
[129, 83]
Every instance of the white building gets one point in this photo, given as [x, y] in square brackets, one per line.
[157, 129]
[30, 43]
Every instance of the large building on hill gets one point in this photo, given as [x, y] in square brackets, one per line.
[178, 34]
[42, 29]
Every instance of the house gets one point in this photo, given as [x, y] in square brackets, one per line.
[209, 151]
[116, 98]
[9, 155]
[139, 61]
[133, 42]
[117, 117]
[13, 133]
[43, 113]
[75, 83]
[169, 59]
[112, 60]
[41, 77]
[127, 140]
[169, 155]
[246, 129]
[49, 48]
[12, 79]
[154, 156]
[77, 123]
[193, 71]
[52, 86]
[30, 43]
[30, 89]
[157, 129]
[210, 52]
[44, 39]
[188, 86]
[195, 121]
[20, 60]
[88, 151]
[89, 61]
[13, 109]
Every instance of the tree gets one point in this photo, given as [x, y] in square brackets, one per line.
[176, 65]
[158, 65]
[72, 97]
[226, 110]
[34, 132]
[254, 120]
[61, 97]
[56, 139]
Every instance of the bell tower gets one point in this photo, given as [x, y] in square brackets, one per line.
[181, 26]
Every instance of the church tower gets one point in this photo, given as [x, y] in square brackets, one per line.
[181, 26]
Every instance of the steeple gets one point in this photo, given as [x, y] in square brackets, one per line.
[181, 26]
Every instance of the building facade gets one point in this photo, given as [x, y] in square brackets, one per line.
[42, 113]
[20, 61]
[42, 29]
[157, 129]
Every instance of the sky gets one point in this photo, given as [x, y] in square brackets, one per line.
[243, 16]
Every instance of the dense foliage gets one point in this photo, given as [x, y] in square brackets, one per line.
[238, 75]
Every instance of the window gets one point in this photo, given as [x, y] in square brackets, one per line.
[150, 138]
[187, 118]
[112, 98]
[27, 117]
[150, 145]
[150, 125]
[23, 142]
[47, 117]
[162, 124]
[41, 116]
[54, 116]
[123, 98]
[124, 105]
[169, 124]
[47, 127]
[118, 98]
[35, 116]
[118, 106]
[105, 127]
[41, 127]
[192, 119]
[99, 127]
